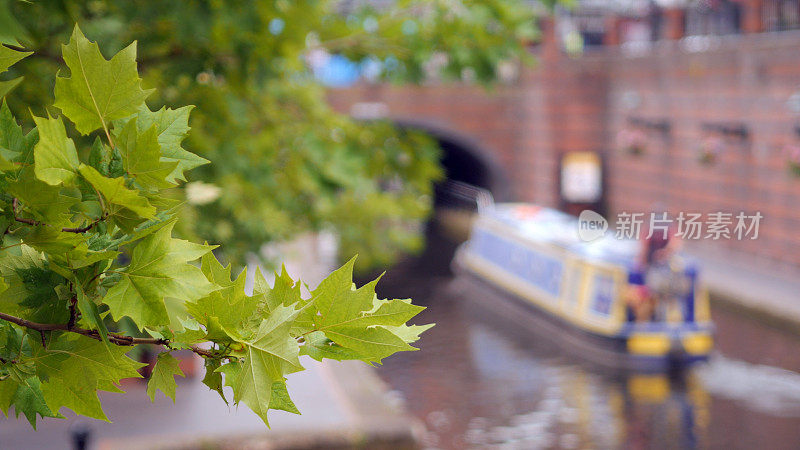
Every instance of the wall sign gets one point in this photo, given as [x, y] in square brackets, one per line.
[581, 177]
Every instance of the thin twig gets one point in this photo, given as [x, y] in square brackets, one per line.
[78, 230]
[114, 338]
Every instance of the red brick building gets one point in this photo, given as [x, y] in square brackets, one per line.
[727, 77]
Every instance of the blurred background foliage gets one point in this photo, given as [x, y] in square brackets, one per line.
[284, 163]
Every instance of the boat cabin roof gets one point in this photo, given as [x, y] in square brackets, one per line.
[550, 226]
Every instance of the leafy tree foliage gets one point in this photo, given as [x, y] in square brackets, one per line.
[88, 237]
[285, 161]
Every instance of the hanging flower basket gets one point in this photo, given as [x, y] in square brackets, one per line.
[632, 142]
[709, 150]
[792, 152]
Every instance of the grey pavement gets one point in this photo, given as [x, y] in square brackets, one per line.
[753, 286]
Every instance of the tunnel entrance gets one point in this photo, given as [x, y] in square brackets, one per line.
[464, 159]
[465, 162]
[462, 165]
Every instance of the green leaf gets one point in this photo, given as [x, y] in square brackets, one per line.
[46, 203]
[11, 31]
[159, 268]
[32, 288]
[75, 367]
[284, 290]
[100, 157]
[268, 356]
[70, 388]
[6, 165]
[280, 398]
[9, 57]
[213, 378]
[116, 194]
[141, 155]
[319, 347]
[373, 344]
[346, 316]
[273, 340]
[225, 310]
[29, 400]
[89, 311]
[163, 376]
[410, 333]
[251, 381]
[172, 126]
[54, 155]
[93, 358]
[98, 91]
[8, 389]
[52, 240]
[8, 86]
[14, 144]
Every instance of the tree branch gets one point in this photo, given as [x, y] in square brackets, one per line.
[114, 338]
[78, 230]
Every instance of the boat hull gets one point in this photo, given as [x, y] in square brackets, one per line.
[657, 350]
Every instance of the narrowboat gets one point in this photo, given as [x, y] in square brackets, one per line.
[584, 294]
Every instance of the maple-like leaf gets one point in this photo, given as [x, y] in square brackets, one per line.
[55, 157]
[74, 367]
[226, 309]
[32, 288]
[284, 290]
[172, 126]
[98, 91]
[272, 338]
[141, 156]
[117, 195]
[353, 318]
[29, 400]
[212, 378]
[46, 203]
[319, 347]
[163, 376]
[159, 268]
[268, 355]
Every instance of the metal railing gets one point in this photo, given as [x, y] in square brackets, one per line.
[459, 194]
[780, 15]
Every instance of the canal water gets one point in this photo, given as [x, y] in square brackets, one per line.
[483, 380]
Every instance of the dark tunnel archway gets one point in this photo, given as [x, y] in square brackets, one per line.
[464, 160]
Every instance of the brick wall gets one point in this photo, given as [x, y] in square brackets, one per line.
[745, 81]
[567, 104]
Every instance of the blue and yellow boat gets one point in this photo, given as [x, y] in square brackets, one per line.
[579, 293]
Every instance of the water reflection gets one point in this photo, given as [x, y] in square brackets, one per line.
[481, 381]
